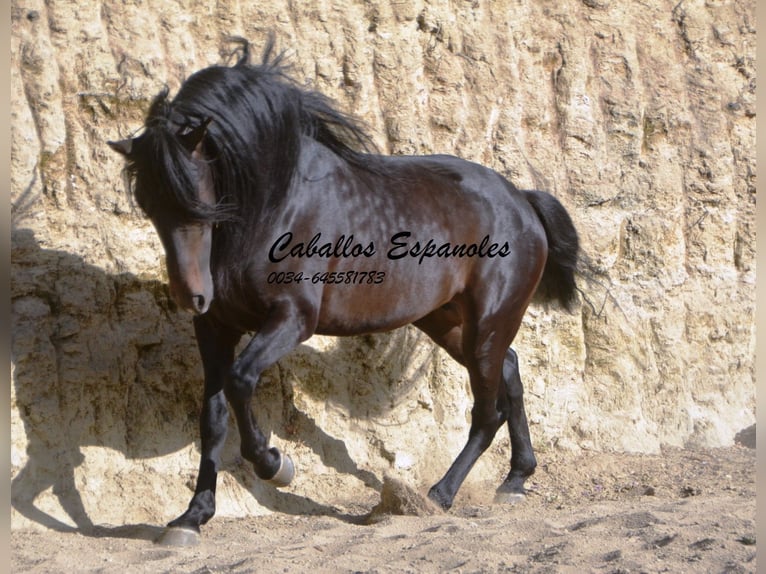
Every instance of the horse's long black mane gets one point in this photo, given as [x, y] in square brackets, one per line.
[258, 116]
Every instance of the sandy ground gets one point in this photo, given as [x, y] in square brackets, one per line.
[683, 511]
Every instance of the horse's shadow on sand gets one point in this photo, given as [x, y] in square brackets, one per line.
[61, 305]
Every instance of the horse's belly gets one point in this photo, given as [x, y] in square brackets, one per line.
[353, 309]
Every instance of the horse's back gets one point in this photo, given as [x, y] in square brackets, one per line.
[478, 193]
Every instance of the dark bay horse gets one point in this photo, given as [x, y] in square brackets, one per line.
[277, 218]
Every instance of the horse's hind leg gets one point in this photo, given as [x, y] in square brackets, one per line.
[511, 402]
[482, 351]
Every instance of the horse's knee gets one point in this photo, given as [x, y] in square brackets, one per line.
[240, 384]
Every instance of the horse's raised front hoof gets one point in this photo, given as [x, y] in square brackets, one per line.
[178, 536]
[285, 474]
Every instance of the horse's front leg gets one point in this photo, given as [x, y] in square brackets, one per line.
[216, 346]
[285, 328]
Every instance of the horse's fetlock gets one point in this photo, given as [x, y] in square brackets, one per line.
[523, 465]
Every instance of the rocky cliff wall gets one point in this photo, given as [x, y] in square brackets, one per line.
[638, 116]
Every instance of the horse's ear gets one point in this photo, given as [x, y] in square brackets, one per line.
[123, 147]
[192, 138]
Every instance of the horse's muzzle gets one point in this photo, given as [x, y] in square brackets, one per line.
[187, 252]
[199, 304]
[195, 300]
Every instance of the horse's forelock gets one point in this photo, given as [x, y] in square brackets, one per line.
[163, 177]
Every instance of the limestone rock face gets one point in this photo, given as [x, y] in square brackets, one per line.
[639, 117]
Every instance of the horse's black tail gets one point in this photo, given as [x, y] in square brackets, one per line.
[558, 281]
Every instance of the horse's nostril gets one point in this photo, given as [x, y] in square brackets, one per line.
[199, 302]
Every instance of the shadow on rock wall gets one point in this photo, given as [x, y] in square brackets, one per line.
[108, 361]
[85, 348]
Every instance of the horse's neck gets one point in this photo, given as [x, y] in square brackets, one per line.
[315, 161]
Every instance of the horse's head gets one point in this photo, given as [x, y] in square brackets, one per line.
[173, 185]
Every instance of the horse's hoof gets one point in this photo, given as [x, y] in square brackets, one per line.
[178, 536]
[285, 474]
[509, 497]
[441, 500]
